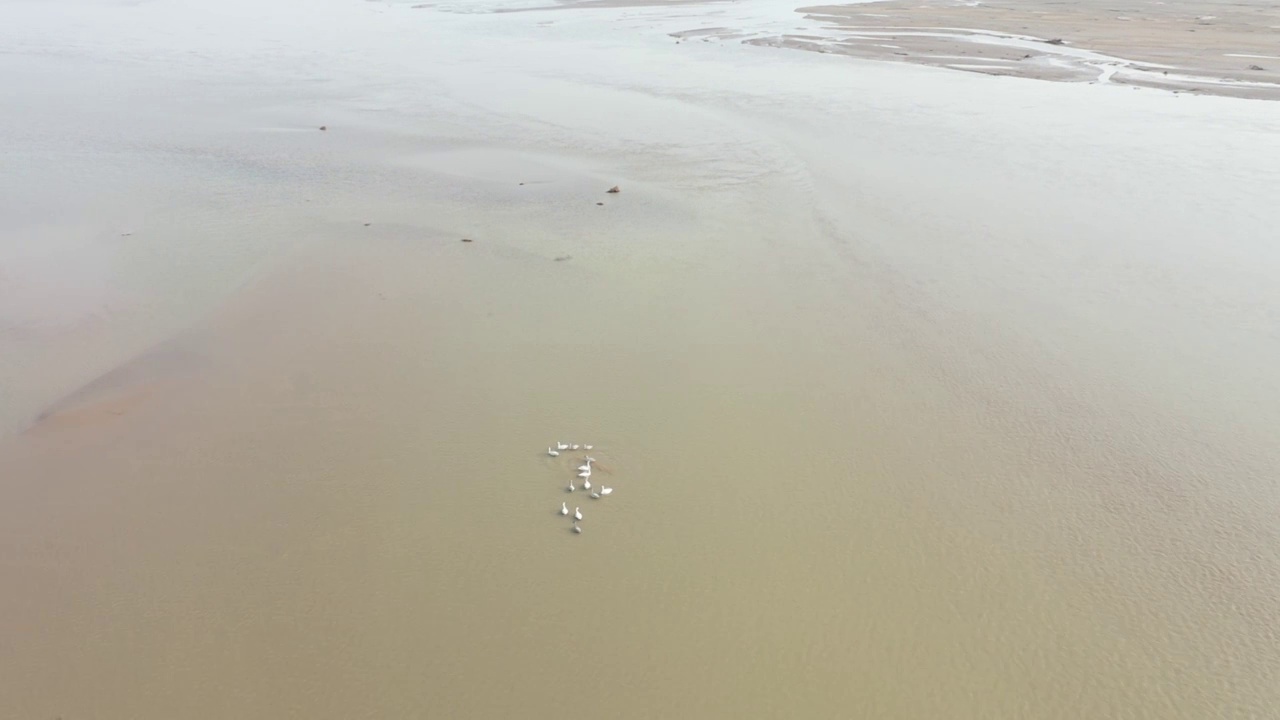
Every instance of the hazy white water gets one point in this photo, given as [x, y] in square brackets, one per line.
[928, 393]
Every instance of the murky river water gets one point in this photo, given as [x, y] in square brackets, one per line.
[923, 395]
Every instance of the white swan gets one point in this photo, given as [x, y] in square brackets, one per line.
[586, 484]
[552, 453]
[561, 446]
[571, 488]
[564, 509]
[584, 474]
[577, 514]
[586, 466]
[575, 447]
[587, 447]
[595, 496]
[576, 528]
[606, 491]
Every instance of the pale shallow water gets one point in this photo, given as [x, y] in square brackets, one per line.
[925, 395]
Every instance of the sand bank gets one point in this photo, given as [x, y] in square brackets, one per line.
[1203, 47]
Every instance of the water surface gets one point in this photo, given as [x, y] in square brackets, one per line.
[923, 394]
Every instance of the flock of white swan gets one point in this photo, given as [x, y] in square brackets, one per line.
[584, 475]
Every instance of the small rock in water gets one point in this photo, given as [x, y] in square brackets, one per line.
[615, 189]
[1256, 67]
[1055, 41]
[466, 239]
[599, 203]
[562, 258]
[368, 224]
[324, 127]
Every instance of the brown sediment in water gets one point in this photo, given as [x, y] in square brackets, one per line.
[949, 385]
[94, 411]
[119, 391]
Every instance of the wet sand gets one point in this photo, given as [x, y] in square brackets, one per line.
[924, 394]
[1203, 47]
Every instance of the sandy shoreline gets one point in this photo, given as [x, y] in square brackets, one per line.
[1207, 47]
